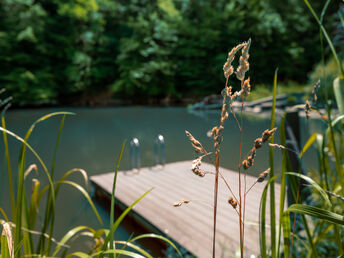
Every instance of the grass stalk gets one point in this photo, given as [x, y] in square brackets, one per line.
[217, 165]
[241, 222]
[272, 186]
[283, 184]
[112, 211]
[327, 37]
[52, 177]
[9, 167]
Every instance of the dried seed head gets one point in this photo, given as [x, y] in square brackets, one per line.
[263, 175]
[198, 172]
[315, 90]
[267, 134]
[253, 151]
[227, 67]
[219, 130]
[214, 131]
[224, 116]
[32, 167]
[178, 204]
[196, 162]
[196, 144]
[235, 95]
[229, 91]
[258, 143]
[243, 62]
[247, 87]
[232, 202]
[195, 167]
[277, 145]
[245, 164]
[307, 108]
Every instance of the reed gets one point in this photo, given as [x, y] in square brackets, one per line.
[236, 200]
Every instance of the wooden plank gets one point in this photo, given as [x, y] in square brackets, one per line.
[190, 225]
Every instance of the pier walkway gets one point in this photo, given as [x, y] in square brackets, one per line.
[190, 225]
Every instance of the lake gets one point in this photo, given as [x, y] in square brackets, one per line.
[92, 139]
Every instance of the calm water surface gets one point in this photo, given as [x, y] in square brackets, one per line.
[92, 140]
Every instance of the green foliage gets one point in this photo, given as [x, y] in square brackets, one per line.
[312, 227]
[53, 51]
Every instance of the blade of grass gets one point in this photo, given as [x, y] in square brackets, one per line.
[56, 146]
[286, 232]
[157, 237]
[71, 233]
[21, 171]
[28, 241]
[49, 217]
[33, 210]
[51, 229]
[112, 210]
[124, 252]
[337, 120]
[19, 205]
[317, 213]
[314, 184]
[262, 221]
[323, 11]
[283, 182]
[4, 214]
[272, 172]
[58, 186]
[334, 53]
[9, 168]
[4, 248]
[84, 192]
[308, 144]
[338, 89]
[122, 216]
[135, 247]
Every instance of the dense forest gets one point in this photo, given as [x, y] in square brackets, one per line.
[76, 52]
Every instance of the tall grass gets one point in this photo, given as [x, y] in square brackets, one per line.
[24, 236]
[237, 200]
[322, 235]
[325, 209]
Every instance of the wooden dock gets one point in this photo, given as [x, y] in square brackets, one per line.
[191, 224]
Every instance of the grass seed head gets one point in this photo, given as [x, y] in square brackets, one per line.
[247, 87]
[178, 204]
[232, 202]
[246, 164]
[229, 91]
[307, 108]
[267, 134]
[258, 143]
[277, 146]
[219, 130]
[227, 67]
[224, 115]
[315, 90]
[243, 62]
[195, 167]
[263, 175]
[214, 131]
[195, 144]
